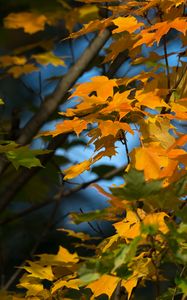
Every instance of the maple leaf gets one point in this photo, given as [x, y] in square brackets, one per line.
[92, 26]
[119, 103]
[48, 58]
[63, 256]
[39, 271]
[155, 32]
[103, 86]
[150, 99]
[129, 24]
[106, 284]
[21, 156]
[120, 45]
[108, 242]
[130, 283]
[18, 71]
[129, 228]
[156, 129]
[135, 187]
[33, 285]
[112, 128]
[31, 22]
[73, 284]
[79, 235]
[179, 108]
[150, 160]
[8, 60]
[157, 220]
[88, 10]
[107, 142]
[76, 125]
[76, 170]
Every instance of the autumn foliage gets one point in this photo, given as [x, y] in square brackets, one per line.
[148, 211]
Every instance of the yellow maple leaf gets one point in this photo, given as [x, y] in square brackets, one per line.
[106, 284]
[38, 271]
[8, 60]
[157, 220]
[18, 71]
[76, 170]
[108, 242]
[130, 283]
[85, 11]
[33, 285]
[31, 22]
[72, 284]
[48, 58]
[63, 256]
[79, 235]
[129, 227]
[156, 129]
[129, 24]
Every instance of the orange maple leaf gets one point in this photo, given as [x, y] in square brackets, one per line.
[150, 160]
[112, 128]
[129, 24]
[103, 87]
[155, 32]
[66, 126]
[29, 21]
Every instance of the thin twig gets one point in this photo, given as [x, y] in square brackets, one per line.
[60, 195]
[92, 226]
[124, 142]
[166, 61]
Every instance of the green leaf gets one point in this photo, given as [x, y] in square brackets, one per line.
[1, 102]
[23, 156]
[182, 284]
[89, 277]
[90, 216]
[125, 253]
[136, 187]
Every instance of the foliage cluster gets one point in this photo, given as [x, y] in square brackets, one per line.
[151, 234]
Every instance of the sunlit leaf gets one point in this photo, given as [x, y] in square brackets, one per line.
[106, 284]
[31, 22]
[48, 58]
[38, 271]
[76, 170]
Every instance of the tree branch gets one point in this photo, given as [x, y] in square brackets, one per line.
[50, 104]
[60, 195]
